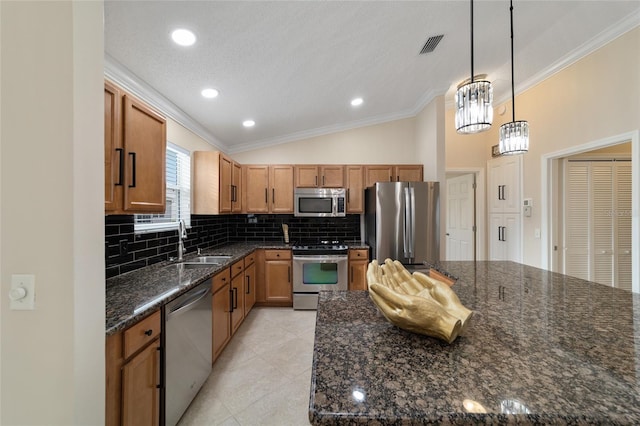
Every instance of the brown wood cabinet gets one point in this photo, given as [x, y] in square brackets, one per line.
[133, 374]
[355, 189]
[440, 277]
[358, 263]
[392, 173]
[221, 307]
[237, 295]
[319, 176]
[268, 189]
[250, 282]
[275, 285]
[216, 183]
[135, 150]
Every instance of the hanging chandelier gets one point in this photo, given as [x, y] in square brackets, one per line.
[474, 98]
[514, 136]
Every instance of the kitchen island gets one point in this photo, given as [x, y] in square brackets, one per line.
[541, 348]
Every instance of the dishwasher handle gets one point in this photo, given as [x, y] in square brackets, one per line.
[188, 303]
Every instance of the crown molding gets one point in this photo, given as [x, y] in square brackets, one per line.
[123, 77]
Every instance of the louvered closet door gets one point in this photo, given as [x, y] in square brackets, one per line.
[622, 216]
[602, 195]
[598, 221]
[576, 220]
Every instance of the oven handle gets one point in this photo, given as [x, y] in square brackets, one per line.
[324, 258]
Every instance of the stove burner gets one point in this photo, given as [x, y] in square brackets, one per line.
[320, 247]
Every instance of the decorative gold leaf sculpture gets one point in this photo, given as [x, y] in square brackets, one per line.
[416, 302]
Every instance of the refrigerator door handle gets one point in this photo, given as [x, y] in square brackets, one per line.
[409, 221]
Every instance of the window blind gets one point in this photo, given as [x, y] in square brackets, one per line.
[178, 194]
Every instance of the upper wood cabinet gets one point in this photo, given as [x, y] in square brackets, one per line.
[392, 173]
[323, 176]
[216, 183]
[355, 189]
[268, 189]
[135, 150]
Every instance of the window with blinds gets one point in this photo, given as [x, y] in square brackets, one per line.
[178, 202]
[597, 221]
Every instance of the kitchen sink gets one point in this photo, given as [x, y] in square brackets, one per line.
[218, 259]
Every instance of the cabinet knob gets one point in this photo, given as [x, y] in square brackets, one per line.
[148, 332]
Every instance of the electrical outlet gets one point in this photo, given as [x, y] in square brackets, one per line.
[124, 248]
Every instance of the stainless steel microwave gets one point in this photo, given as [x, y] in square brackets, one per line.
[320, 202]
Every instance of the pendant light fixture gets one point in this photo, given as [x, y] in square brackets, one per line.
[514, 136]
[474, 98]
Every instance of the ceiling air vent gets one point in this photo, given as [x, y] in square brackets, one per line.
[431, 44]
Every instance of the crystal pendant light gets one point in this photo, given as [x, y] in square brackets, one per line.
[514, 136]
[474, 98]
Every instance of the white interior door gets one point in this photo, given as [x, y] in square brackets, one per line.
[460, 217]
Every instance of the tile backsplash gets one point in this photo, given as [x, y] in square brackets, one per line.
[126, 251]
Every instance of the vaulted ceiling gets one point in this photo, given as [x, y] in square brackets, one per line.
[294, 66]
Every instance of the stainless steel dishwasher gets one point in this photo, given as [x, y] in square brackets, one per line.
[187, 328]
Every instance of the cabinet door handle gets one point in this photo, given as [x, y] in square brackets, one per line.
[398, 178]
[231, 301]
[133, 170]
[159, 360]
[235, 298]
[351, 270]
[120, 152]
[265, 196]
[504, 233]
[316, 180]
[348, 195]
[289, 273]
[322, 180]
[248, 284]
[390, 178]
[273, 195]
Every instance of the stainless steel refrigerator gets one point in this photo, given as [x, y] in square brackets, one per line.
[402, 221]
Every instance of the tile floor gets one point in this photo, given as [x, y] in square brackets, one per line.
[263, 376]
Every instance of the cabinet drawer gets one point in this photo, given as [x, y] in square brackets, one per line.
[220, 280]
[237, 267]
[249, 259]
[138, 335]
[277, 254]
[360, 254]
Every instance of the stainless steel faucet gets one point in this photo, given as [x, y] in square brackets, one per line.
[182, 235]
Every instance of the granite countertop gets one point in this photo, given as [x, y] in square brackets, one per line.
[134, 295]
[541, 348]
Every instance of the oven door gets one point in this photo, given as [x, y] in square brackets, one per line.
[315, 273]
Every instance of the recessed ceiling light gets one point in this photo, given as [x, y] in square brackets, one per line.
[183, 37]
[248, 123]
[210, 93]
[356, 102]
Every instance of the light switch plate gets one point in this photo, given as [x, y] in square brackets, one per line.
[17, 301]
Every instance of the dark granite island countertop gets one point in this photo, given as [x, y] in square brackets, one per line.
[542, 348]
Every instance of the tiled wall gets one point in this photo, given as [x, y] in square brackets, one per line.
[126, 251]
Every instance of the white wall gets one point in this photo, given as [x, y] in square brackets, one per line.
[51, 169]
[595, 98]
[387, 143]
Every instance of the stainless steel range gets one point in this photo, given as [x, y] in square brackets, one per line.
[318, 266]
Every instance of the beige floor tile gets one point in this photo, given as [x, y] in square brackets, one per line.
[264, 374]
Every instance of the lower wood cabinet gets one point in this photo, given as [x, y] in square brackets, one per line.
[358, 262]
[275, 286]
[221, 311]
[133, 374]
[237, 295]
[249, 282]
[234, 294]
